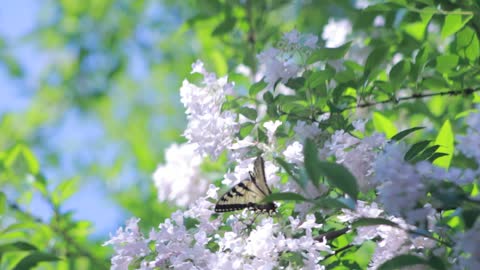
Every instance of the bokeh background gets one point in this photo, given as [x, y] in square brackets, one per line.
[91, 88]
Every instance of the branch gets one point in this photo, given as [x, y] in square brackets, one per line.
[465, 92]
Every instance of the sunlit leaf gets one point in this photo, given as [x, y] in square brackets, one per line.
[445, 139]
[384, 125]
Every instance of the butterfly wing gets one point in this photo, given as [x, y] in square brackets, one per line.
[248, 194]
[260, 178]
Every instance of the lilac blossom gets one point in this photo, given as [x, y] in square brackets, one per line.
[209, 129]
[180, 179]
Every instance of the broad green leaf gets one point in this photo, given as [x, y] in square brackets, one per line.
[416, 30]
[362, 222]
[32, 259]
[311, 161]
[446, 63]
[340, 177]
[454, 22]
[416, 149]
[445, 139]
[285, 196]
[467, 44]
[248, 112]
[402, 261]
[257, 87]
[319, 77]
[324, 54]
[16, 246]
[296, 83]
[402, 134]
[384, 125]
[375, 59]
[399, 73]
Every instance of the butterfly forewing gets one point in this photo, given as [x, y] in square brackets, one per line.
[249, 193]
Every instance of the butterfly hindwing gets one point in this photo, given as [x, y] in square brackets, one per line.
[248, 193]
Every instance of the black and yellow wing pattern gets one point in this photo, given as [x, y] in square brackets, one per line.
[249, 193]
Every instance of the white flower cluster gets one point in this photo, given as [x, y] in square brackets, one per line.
[393, 240]
[401, 187]
[358, 155]
[209, 129]
[189, 240]
[280, 64]
[469, 144]
[467, 248]
[129, 244]
[335, 32]
[180, 179]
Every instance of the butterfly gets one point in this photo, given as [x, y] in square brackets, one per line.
[249, 193]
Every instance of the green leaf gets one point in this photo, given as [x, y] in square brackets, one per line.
[268, 97]
[22, 160]
[288, 168]
[3, 203]
[310, 153]
[256, 88]
[32, 259]
[454, 22]
[324, 54]
[399, 73]
[416, 149]
[16, 246]
[319, 77]
[402, 134]
[340, 177]
[248, 112]
[427, 153]
[225, 26]
[402, 261]
[416, 30]
[446, 63]
[334, 203]
[375, 58]
[285, 196]
[467, 44]
[445, 139]
[64, 190]
[296, 83]
[384, 125]
[246, 129]
[436, 156]
[362, 222]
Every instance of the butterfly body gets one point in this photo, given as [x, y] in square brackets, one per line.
[248, 193]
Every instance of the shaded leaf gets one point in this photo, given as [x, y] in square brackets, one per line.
[402, 261]
[402, 134]
[415, 149]
[33, 259]
[340, 177]
[361, 222]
